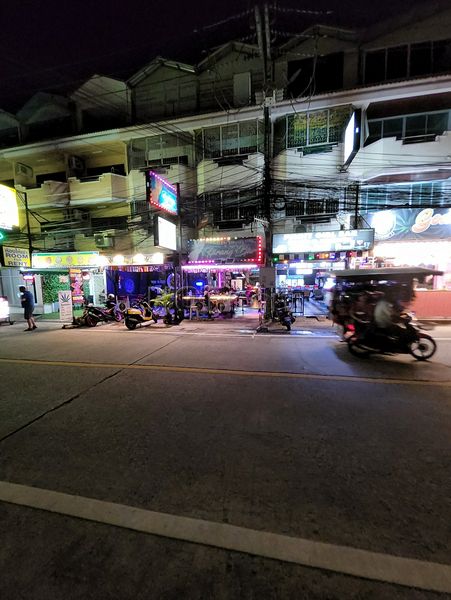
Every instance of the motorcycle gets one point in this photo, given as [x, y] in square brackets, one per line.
[283, 314]
[141, 312]
[406, 339]
[94, 314]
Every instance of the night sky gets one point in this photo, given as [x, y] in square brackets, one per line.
[54, 45]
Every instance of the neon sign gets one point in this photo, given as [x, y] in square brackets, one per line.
[160, 193]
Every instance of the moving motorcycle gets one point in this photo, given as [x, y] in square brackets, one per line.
[141, 312]
[406, 338]
[282, 312]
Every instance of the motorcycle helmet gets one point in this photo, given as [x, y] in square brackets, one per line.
[111, 297]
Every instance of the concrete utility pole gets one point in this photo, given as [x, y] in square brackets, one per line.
[264, 45]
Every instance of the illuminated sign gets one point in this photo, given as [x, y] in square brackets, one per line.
[351, 142]
[323, 241]
[165, 233]
[161, 193]
[226, 250]
[9, 212]
[16, 257]
[409, 223]
[64, 260]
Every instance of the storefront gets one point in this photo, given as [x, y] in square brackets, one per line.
[418, 238]
[224, 263]
[80, 273]
[130, 277]
[304, 261]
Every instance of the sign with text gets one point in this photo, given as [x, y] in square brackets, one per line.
[9, 211]
[225, 250]
[16, 257]
[323, 241]
[160, 193]
[411, 224]
[65, 305]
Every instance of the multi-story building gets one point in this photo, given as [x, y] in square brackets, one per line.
[80, 158]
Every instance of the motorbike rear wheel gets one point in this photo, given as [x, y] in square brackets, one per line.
[90, 321]
[423, 348]
[357, 350]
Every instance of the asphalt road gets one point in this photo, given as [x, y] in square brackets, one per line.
[277, 434]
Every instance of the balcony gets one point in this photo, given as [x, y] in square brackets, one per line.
[91, 191]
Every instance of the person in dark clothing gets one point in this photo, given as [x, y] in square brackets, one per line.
[27, 300]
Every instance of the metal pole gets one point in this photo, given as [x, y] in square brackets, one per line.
[30, 242]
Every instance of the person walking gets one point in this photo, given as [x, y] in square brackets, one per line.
[28, 306]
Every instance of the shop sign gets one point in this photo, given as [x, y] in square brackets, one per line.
[161, 193]
[225, 250]
[9, 212]
[323, 241]
[64, 260]
[411, 224]
[15, 257]
[65, 305]
[165, 233]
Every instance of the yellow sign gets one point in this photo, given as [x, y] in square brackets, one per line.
[64, 260]
[9, 212]
[16, 257]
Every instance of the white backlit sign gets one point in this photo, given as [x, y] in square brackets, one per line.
[323, 241]
[9, 212]
[165, 234]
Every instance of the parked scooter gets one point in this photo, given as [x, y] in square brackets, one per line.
[141, 312]
[406, 339]
[282, 312]
[94, 314]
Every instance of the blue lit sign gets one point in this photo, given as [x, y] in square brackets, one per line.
[161, 193]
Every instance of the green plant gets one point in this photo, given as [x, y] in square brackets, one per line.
[51, 285]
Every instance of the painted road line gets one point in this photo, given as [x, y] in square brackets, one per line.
[341, 559]
[230, 372]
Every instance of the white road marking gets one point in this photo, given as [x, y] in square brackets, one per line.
[341, 559]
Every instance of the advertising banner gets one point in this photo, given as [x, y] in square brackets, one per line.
[16, 257]
[65, 305]
[76, 284]
[64, 260]
[411, 224]
[323, 241]
[225, 250]
[161, 193]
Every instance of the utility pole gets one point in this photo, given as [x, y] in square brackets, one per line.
[30, 241]
[264, 44]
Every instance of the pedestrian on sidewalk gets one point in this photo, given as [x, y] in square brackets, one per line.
[27, 301]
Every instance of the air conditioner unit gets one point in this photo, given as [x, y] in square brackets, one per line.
[82, 215]
[103, 241]
[75, 163]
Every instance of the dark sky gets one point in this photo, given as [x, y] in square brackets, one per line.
[55, 44]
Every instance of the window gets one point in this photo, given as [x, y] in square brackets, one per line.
[397, 62]
[413, 60]
[425, 127]
[375, 66]
[229, 140]
[415, 126]
[421, 59]
[232, 208]
[315, 75]
[392, 128]
[441, 56]
[311, 129]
